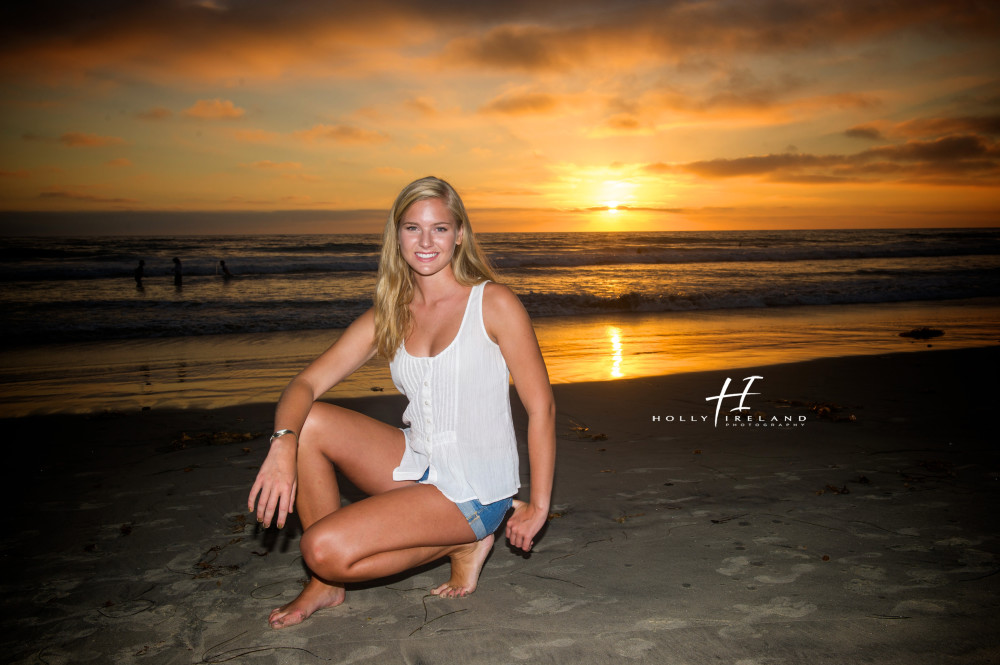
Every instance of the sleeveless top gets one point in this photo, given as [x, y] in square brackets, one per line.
[460, 429]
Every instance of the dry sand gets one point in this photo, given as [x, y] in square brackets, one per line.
[871, 539]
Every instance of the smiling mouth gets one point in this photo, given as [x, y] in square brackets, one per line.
[421, 255]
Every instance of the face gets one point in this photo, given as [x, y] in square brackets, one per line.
[428, 235]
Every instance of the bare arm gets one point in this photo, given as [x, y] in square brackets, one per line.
[508, 324]
[276, 480]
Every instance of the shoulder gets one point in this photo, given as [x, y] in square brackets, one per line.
[502, 311]
[500, 300]
[364, 324]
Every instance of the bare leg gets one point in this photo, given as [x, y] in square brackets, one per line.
[363, 448]
[386, 534]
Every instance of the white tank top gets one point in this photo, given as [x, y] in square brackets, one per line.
[460, 428]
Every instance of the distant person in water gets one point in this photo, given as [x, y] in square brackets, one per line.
[443, 485]
[178, 275]
[225, 271]
[139, 273]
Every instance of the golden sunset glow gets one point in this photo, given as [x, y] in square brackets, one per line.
[547, 117]
[615, 338]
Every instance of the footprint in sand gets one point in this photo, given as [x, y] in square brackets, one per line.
[778, 607]
[737, 565]
[549, 604]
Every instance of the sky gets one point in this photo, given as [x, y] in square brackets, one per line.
[222, 116]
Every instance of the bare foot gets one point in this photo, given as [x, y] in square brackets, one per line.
[315, 596]
[466, 564]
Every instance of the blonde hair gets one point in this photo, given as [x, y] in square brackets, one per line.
[394, 284]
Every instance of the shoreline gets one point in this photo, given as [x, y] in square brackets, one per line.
[225, 370]
[828, 542]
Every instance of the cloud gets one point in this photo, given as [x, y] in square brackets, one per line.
[625, 208]
[946, 149]
[82, 196]
[659, 168]
[422, 105]
[938, 161]
[120, 161]
[747, 166]
[522, 103]
[341, 134]
[864, 132]
[155, 113]
[81, 140]
[529, 48]
[267, 164]
[642, 33]
[226, 42]
[20, 173]
[925, 127]
[214, 109]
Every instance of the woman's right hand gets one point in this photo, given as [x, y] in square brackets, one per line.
[276, 483]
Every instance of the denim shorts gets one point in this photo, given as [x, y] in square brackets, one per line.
[484, 520]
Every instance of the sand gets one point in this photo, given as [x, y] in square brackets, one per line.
[857, 527]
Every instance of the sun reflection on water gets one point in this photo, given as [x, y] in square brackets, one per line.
[615, 336]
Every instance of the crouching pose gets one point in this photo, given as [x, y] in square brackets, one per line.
[441, 486]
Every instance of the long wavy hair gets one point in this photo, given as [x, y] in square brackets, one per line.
[394, 284]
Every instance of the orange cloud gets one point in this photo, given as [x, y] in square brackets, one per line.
[924, 127]
[214, 109]
[522, 103]
[422, 105]
[341, 134]
[959, 159]
[120, 161]
[20, 173]
[81, 140]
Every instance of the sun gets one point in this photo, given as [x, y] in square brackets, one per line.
[612, 207]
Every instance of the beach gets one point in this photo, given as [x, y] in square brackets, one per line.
[846, 517]
[773, 448]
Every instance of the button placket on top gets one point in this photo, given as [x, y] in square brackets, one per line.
[426, 408]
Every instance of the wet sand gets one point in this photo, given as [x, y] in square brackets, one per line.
[213, 371]
[851, 520]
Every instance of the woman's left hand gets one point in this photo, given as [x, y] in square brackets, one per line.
[524, 524]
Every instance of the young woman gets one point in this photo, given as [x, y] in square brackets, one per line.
[441, 486]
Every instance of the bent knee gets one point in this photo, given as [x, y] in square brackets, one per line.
[325, 555]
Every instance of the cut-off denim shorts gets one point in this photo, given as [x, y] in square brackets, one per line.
[484, 520]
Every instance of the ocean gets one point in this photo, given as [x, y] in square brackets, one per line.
[79, 334]
[76, 289]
